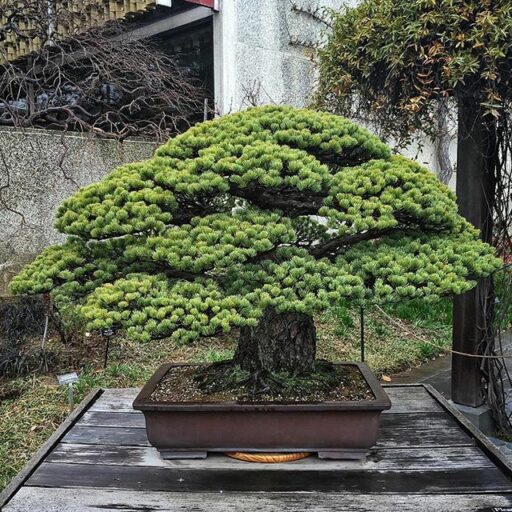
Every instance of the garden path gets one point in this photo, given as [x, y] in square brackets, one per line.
[437, 373]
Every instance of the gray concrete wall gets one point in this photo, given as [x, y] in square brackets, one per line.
[264, 52]
[40, 168]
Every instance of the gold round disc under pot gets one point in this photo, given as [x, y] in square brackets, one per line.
[267, 457]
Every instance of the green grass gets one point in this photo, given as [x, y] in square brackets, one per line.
[26, 421]
[427, 315]
[389, 345]
[32, 407]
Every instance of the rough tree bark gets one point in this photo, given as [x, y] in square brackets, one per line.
[281, 342]
[444, 138]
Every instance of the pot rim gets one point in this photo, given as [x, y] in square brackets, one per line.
[380, 403]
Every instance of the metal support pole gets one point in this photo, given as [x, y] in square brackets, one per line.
[45, 333]
[205, 110]
[361, 319]
[70, 397]
[106, 352]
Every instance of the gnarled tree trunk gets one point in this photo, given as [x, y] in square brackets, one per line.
[281, 342]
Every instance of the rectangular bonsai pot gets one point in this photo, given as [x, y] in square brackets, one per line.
[337, 430]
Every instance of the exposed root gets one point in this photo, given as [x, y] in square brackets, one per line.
[227, 376]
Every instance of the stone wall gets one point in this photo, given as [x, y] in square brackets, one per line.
[264, 52]
[40, 168]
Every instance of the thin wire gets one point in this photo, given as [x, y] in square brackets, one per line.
[444, 349]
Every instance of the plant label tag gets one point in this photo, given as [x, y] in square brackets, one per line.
[107, 332]
[67, 378]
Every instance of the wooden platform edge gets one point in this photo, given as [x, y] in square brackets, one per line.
[18, 481]
[481, 440]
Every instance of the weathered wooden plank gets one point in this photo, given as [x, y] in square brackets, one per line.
[403, 399]
[410, 399]
[83, 500]
[116, 400]
[124, 393]
[465, 481]
[379, 459]
[392, 437]
[419, 420]
[117, 436]
[413, 407]
[133, 419]
[492, 451]
[437, 420]
[52, 441]
[399, 392]
[389, 437]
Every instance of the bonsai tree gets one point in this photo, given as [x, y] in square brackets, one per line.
[407, 63]
[255, 221]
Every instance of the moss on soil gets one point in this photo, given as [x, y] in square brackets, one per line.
[226, 382]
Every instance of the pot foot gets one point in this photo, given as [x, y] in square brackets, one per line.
[347, 454]
[173, 454]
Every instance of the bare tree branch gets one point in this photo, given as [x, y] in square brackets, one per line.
[100, 81]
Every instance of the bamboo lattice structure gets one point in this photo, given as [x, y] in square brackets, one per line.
[64, 18]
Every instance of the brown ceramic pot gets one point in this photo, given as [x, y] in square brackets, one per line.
[335, 430]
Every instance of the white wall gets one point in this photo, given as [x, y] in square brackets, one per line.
[259, 52]
[425, 153]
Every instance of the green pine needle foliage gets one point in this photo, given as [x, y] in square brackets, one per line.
[271, 207]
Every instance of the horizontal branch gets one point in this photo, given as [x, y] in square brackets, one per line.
[291, 201]
[333, 245]
[179, 274]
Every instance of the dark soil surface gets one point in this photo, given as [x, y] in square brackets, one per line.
[327, 383]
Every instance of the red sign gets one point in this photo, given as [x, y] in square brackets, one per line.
[206, 3]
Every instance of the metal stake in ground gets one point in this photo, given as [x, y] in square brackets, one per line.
[107, 333]
[361, 321]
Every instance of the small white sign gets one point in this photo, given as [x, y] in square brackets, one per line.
[67, 378]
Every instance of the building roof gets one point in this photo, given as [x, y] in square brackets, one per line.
[20, 36]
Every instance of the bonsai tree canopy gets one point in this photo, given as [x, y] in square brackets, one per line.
[255, 221]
